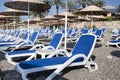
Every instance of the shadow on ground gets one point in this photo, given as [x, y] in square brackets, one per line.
[116, 53]
[44, 74]
[2, 56]
[10, 75]
[98, 45]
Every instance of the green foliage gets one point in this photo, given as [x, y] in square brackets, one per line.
[110, 18]
[99, 3]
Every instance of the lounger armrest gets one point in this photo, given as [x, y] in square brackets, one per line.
[117, 38]
[17, 41]
[29, 41]
[38, 46]
[48, 47]
[60, 51]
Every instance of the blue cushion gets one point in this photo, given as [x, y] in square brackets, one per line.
[115, 41]
[45, 62]
[22, 52]
[98, 33]
[56, 39]
[8, 45]
[7, 41]
[33, 37]
[84, 45]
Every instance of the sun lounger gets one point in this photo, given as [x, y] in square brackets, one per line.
[79, 56]
[54, 44]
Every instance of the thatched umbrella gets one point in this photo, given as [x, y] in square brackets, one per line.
[35, 20]
[32, 5]
[6, 18]
[28, 5]
[81, 19]
[49, 18]
[13, 12]
[91, 10]
[98, 17]
[69, 15]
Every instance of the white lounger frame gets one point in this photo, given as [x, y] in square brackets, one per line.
[87, 62]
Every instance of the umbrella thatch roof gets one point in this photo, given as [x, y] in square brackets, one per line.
[35, 5]
[13, 12]
[97, 16]
[69, 20]
[81, 18]
[69, 14]
[6, 17]
[92, 9]
[50, 18]
[35, 20]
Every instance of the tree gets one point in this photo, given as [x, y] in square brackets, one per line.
[118, 9]
[57, 3]
[39, 13]
[99, 3]
[84, 3]
[71, 5]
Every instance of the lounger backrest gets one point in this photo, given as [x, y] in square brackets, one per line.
[70, 32]
[56, 41]
[85, 31]
[119, 32]
[17, 34]
[82, 30]
[99, 32]
[85, 45]
[104, 29]
[33, 37]
[94, 30]
[25, 37]
[63, 31]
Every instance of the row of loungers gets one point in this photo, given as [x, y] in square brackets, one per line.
[50, 59]
[79, 56]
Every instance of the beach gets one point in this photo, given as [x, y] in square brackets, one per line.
[107, 59]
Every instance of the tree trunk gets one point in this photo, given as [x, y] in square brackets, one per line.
[57, 9]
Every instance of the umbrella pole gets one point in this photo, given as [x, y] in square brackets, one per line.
[14, 22]
[6, 24]
[28, 18]
[28, 15]
[65, 28]
[92, 20]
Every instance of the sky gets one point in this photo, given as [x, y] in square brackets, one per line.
[114, 3]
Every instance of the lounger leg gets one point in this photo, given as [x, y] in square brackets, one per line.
[33, 56]
[90, 64]
[42, 56]
[12, 62]
[24, 76]
[107, 44]
[58, 70]
[118, 45]
[102, 40]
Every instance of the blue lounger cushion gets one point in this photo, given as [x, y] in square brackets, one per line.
[46, 62]
[115, 41]
[7, 41]
[22, 52]
[8, 45]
